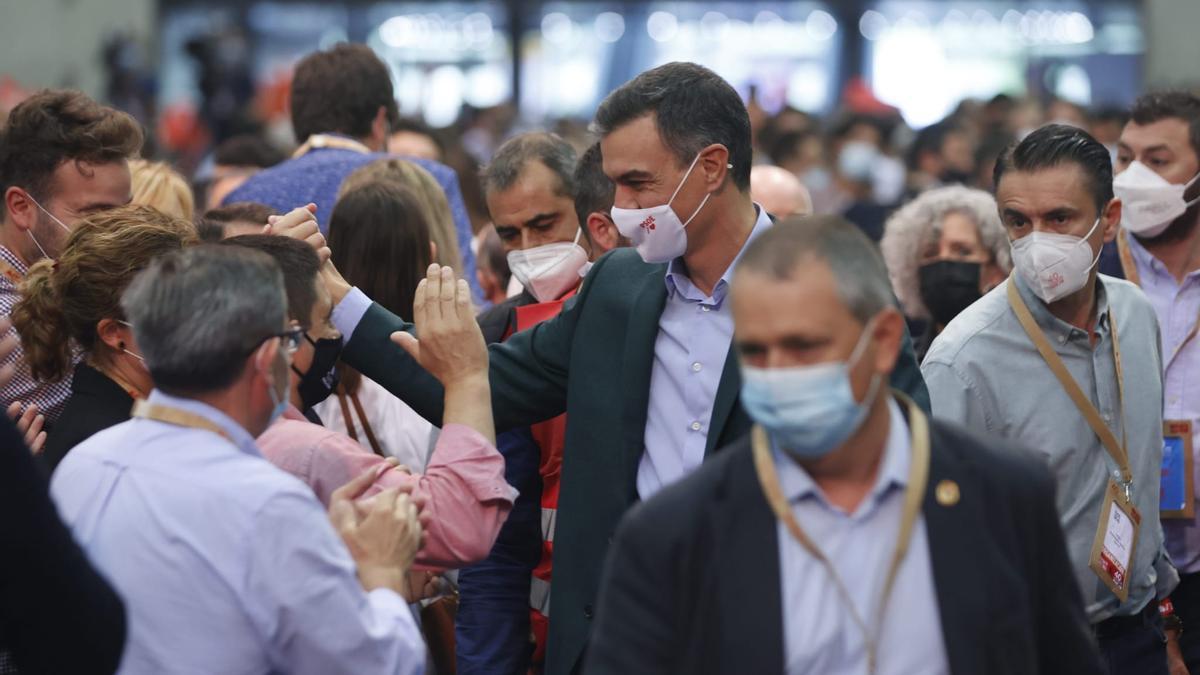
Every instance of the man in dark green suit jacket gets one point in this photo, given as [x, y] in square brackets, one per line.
[596, 358]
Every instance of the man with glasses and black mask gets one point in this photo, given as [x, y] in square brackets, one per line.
[1158, 162]
[63, 157]
[1067, 361]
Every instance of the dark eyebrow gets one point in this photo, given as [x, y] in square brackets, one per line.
[634, 175]
[1156, 148]
[539, 219]
[1013, 213]
[1061, 211]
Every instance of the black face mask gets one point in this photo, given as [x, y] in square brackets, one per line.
[322, 377]
[948, 287]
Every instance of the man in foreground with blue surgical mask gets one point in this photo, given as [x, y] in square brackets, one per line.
[641, 355]
[846, 533]
[1067, 361]
[1158, 166]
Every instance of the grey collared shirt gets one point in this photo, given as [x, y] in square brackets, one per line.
[820, 634]
[984, 372]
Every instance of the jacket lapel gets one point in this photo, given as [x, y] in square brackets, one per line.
[954, 551]
[751, 607]
[724, 406]
[638, 365]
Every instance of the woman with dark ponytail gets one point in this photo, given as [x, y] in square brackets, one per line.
[71, 324]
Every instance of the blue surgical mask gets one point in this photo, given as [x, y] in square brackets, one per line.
[807, 410]
[278, 399]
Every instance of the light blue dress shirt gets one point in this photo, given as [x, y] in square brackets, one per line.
[226, 564]
[983, 372]
[820, 635]
[695, 332]
[1177, 306]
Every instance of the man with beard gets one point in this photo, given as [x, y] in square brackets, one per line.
[1158, 160]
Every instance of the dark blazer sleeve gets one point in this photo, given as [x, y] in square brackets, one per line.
[632, 632]
[528, 372]
[57, 614]
[1065, 641]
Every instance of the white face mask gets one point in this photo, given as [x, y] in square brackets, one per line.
[1054, 265]
[656, 231]
[549, 270]
[1149, 204]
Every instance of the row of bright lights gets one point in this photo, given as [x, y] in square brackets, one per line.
[475, 30]
[1035, 26]
[661, 26]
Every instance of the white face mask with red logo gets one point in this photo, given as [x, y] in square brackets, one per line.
[657, 232]
[1054, 265]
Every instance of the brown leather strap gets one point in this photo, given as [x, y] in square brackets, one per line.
[1127, 265]
[328, 141]
[366, 425]
[914, 494]
[350, 431]
[1117, 450]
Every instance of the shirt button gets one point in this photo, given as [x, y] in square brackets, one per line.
[696, 367]
[695, 426]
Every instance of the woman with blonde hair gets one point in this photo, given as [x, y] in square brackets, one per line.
[429, 196]
[944, 250]
[157, 184]
[70, 320]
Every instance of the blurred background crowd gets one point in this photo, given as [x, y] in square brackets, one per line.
[867, 101]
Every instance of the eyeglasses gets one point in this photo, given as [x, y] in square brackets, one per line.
[290, 337]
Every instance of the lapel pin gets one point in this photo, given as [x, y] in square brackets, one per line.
[947, 493]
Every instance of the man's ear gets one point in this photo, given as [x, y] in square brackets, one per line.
[379, 131]
[889, 336]
[603, 233]
[714, 162]
[19, 208]
[1110, 220]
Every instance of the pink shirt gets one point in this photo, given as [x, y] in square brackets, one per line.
[463, 486]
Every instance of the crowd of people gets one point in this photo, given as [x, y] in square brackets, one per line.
[709, 391]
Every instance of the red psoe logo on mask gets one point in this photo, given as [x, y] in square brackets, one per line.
[1055, 280]
[647, 224]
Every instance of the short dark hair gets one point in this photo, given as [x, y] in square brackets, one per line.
[787, 145]
[209, 231]
[247, 150]
[380, 237]
[510, 159]
[340, 91]
[55, 126]
[594, 192]
[200, 313]
[1160, 105]
[692, 107]
[416, 126]
[930, 139]
[299, 264]
[1055, 144]
[252, 212]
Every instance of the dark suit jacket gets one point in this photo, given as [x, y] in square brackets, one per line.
[604, 338]
[96, 403]
[57, 614]
[692, 581]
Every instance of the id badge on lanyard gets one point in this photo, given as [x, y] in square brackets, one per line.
[1176, 482]
[1116, 540]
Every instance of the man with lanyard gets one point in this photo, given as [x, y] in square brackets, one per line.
[847, 533]
[529, 186]
[226, 563]
[1066, 361]
[1158, 161]
[63, 157]
[641, 355]
[343, 107]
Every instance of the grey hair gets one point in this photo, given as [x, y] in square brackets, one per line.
[858, 270]
[510, 160]
[919, 222]
[199, 313]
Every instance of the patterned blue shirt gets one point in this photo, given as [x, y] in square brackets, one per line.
[316, 176]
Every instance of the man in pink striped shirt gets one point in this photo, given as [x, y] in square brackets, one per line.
[463, 494]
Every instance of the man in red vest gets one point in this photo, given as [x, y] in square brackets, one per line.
[530, 187]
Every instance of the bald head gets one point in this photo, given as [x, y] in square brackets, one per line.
[779, 192]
